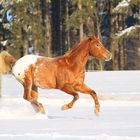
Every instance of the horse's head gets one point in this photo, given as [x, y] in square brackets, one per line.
[98, 50]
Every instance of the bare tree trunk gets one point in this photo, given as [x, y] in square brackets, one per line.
[138, 51]
[81, 21]
[55, 14]
[112, 49]
[81, 31]
[138, 55]
[48, 29]
[25, 42]
[121, 56]
[25, 46]
[124, 50]
[101, 63]
[68, 33]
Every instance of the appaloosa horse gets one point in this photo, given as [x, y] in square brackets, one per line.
[66, 72]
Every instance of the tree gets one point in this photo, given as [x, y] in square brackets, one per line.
[4, 28]
[25, 26]
[55, 7]
[50, 28]
[126, 34]
[87, 18]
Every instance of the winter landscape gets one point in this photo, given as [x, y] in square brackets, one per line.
[51, 28]
[119, 94]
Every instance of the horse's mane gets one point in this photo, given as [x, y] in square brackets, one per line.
[6, 61]
[76, 47]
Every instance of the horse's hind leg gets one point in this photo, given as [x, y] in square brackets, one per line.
[27, 88]
[36, 105]
[31, 95]
[71, 91]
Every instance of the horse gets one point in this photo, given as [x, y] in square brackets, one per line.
[65, 72]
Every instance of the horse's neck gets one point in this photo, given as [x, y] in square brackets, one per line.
[79, 56]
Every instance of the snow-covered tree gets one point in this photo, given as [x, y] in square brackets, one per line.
[126, 36]
[130, 10]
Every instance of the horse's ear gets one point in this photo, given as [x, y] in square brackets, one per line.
[90, 38]
[94, 37]
[98, 37]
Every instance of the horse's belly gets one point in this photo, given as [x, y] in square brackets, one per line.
[43, 82]
[44, 76]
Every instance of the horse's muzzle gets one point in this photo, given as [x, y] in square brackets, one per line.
[108, 57]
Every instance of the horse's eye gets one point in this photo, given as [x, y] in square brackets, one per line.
[97, 45]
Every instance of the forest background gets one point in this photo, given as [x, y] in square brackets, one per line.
[52, 27]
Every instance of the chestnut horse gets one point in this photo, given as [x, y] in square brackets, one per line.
[66, 72]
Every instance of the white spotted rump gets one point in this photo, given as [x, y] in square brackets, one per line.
[22, 65]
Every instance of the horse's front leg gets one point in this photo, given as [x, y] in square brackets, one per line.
[69, 90]
[84, 89]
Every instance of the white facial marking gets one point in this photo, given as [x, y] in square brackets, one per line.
[22, 65]
[109, 58]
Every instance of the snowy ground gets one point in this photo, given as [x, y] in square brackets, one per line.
[119, 94]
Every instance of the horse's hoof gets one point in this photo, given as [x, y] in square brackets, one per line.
[64, 107]
[97, 112]
[42, 110]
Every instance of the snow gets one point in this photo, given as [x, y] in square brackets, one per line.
[128, 31]
[18, 1]
[6, 25]
[4, 43]
[119, 93]
[123, 4]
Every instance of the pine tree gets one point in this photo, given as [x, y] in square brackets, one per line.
[4, 28]
[87, 18]
[25, 26]
[126, 35]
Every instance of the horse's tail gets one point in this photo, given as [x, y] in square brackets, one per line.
[6, 62]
